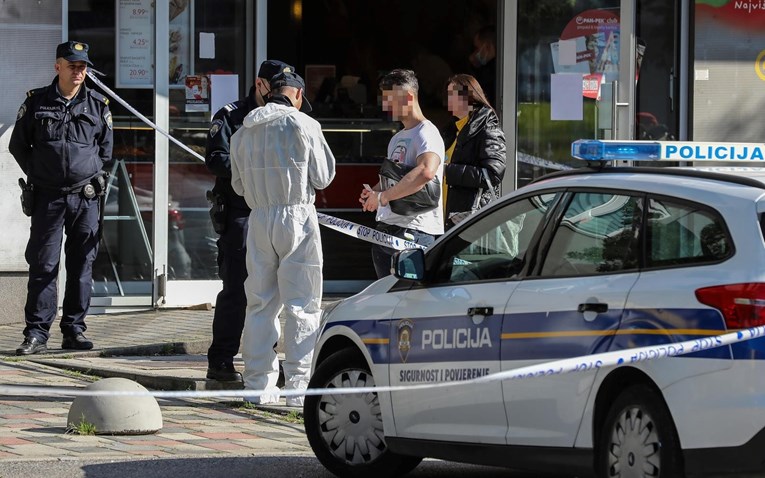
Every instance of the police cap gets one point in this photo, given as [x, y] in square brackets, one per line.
[270, 68]
[289, 78]
[73, 51]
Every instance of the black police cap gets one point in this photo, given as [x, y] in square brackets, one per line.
[289, 78]
[270, 68]
[73, 51]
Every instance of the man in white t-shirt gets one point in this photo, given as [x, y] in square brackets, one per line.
[420, 145]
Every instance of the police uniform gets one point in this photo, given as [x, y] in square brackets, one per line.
[62, 146]
[231, 303]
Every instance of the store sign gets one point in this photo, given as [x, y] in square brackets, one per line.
[135, 43]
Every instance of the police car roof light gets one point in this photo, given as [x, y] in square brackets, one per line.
[604, 150]
[615, 150]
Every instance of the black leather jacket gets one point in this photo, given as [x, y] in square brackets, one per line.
[480, 145]
[225, 123]
[60, 145]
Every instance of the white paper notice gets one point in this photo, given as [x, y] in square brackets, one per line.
[567, 52]
[224, 89]
[566, 98]
[206, 45]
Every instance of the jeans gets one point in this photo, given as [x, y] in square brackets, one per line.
[381, 255]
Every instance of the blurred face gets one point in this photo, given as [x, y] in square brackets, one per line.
[71, 74]
[457, 101]
[397, 102]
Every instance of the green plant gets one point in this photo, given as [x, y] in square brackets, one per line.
[294, 416]
[82, 428]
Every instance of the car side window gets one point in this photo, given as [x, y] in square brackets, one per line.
[495, 246]
[598, 234]
[684, 233]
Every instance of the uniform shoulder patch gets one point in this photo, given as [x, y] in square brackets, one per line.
[22, 111]
[108, 119]
[215, 127]
[36, 91]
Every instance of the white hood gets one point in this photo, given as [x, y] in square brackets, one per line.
[269, 112]
[279, 158]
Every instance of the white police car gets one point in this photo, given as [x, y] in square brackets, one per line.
[578, 263]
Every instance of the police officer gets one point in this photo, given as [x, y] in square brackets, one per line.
[62, 140]
[231, 223]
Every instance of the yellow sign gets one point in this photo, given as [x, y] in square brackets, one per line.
[759, 65]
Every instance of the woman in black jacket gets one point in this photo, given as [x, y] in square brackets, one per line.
[477, 154]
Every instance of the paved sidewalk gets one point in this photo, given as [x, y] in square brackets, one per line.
[162, 350]
[35, 427]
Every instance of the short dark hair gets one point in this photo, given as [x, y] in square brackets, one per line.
[400, 77]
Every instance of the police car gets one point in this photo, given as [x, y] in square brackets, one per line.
[579, 263]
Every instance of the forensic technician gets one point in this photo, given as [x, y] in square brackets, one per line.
[278, 160]
[229, 215]
[62, 141]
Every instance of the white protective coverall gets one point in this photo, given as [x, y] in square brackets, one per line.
[278, 159]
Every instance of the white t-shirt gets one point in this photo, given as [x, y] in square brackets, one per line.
[405, 147]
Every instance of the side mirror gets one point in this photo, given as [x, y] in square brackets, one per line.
[409, 264]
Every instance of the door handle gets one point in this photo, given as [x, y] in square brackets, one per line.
[596, 307]
[485, 311]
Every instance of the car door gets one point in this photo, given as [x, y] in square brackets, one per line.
[448, 329]
[570, 306]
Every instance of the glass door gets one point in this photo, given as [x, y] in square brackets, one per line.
[572, 81]
[203, 74]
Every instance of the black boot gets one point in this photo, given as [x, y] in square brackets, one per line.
[223, 372]
[76, 342]
[31, 345]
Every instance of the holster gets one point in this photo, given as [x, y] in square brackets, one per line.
[218, 211]
[27, 197]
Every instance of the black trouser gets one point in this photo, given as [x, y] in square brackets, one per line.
[52, 215]
[381, 255]
[231, 303]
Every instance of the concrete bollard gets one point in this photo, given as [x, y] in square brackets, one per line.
[116, 415]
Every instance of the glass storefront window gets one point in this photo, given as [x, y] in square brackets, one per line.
[341, 47]
[557, 38]
[215, 45]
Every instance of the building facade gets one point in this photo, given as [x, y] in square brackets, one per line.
[558, 71]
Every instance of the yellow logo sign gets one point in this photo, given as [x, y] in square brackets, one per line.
[78, 46]
[759, 65]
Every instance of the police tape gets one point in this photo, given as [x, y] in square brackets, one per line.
[588, 363]
[118, 99]
[367, 234]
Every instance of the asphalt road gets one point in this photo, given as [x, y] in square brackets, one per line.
[304, 466]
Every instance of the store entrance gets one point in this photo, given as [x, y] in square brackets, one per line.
[573, 81]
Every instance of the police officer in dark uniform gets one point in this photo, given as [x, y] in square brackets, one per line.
[62, 140]
[229, 215]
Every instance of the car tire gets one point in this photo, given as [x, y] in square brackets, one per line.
[346, 431]
[638, 438]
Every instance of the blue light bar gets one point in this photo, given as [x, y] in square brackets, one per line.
[602, 150]
[617, 150]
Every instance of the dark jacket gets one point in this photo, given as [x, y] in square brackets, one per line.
[225, 123]
[480, 145]
[59, 146]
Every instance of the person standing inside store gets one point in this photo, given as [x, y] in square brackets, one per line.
[475, 162]
[484, 60]
[279, 158]
[62, 140]
[419, 145]
[230, 220]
